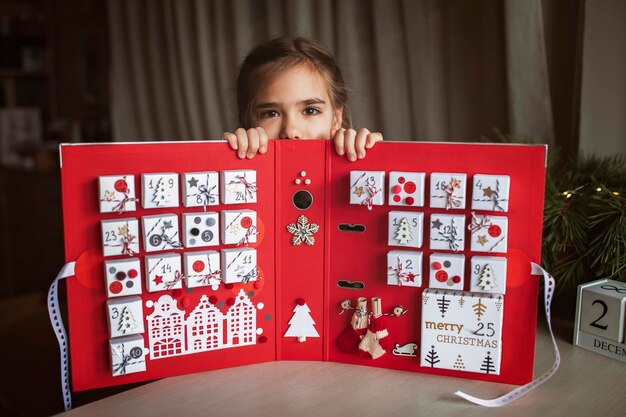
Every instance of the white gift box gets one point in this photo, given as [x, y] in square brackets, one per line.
[120, 237]
[405, 228]
[447, 232]
[122, 277]
[125, 316]
[491, 192]
[404, 268]
[447, 190]
[163, 272]
[488, 233]
[202, 269]
[200, 229]
[239, 265]
[367, 188]
[200, 189]
[239, 186]
[117, 193]
[447, 271]
[160, 232]
[238, 227]
[488, 274]
[128, 355]
[159, 190]
[406, 189]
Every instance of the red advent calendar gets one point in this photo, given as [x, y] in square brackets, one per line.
[189, 259]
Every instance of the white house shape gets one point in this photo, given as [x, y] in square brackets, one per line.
[165, 325]
[241, 321]
[205, 327]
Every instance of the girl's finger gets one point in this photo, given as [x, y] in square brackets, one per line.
[348, 144]
[253, 143]
[262, 140]
[242, 142]
[372, 138]
[338, 138]
[359, 142]
[231, 139]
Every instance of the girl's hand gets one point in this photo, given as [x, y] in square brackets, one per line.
[353, 144]
[247, 142]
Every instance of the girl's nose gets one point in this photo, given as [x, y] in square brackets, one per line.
[290, 129]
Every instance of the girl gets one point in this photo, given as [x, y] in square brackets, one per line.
[293, 89]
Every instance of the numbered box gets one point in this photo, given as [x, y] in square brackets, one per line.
[202, 269]
[491, 192]
[200, 229]
[488, 274]
[489, 233]
[160, 232]
[239, 265]
[200, 189]
[447, 232]
[238, 227]
[163, 272]
[128, 355]
[447, 190]
[447, 271]
[406, 189]
[239, 186]
[122, 277]
[117, 193]
[603, 310]
[405, 228]
[404, 268]
[125, 316]
[159, 190]
[120, 237]
[367, 188]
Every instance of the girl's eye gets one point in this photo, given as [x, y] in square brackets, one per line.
[269, 113]
[311, 111]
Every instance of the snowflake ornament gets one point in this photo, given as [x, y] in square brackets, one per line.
[302, 231]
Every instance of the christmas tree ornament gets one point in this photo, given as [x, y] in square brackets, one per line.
[488, 274]
[200, 229]
[375, 343]
[117, 193]
[405, 228]
[202, 269]
[490, 192]
[200, 189]
[301, 324]
[239, 186]
[160, 232]
[122, 277]
[447, 190]
[159, 190]
[239, 227]
[447, 271]
[302, 231]
[128, 355]
[239, 265]
[406, 189]
[447, 232]
[366, 188]
[349, 339]
[120, 237]
[404, 268]
[489, 233]
[163, 272]
[125, 316]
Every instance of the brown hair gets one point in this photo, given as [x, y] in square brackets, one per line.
[276, 55]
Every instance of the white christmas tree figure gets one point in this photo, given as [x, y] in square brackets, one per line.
[301, 324]
[127, 321]
[403, 234]
[487, 281]
[160, 194]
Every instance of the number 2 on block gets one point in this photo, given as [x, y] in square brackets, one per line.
[605, 308]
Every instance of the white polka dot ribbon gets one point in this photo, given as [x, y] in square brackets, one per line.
[548, 292]
[59, 330]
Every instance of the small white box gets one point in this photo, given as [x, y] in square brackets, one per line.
[488, 274]
[163, 272]
[405, 228]
[160, 232]
[447, 190]
[125, 316]
[200, 189]
[122, 277]
[238, 227]
[447, 232]
[159, 190]
[367, 188]
[404, 268]
[120, 237]
[491, 192]
[447, 271]
[239, 186]
[202, 269]
[117, 193]
[239, 265]
[128, 355]
[489, 233]
[406, 189]
[200, 229]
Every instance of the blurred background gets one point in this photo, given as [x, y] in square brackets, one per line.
[544, 71]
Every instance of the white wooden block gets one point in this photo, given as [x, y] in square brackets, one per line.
[163, 272]
[159, 190]
[404, 268]
[461, 331]
[491, 192]
[239, 265]
[367, 188]
[117, 193]
[125, 316]
[603, 310]
[160, 232]
[200, 189]
[200, 229]
[489, 233]
[122, 277]
[405, 228]
[488, 274]
[406, 189]
[447, 271]
[447, 232]
[128, 355]
[238, 227]
[202, 269]
[447, 190]
[120, 237]
[239, 186]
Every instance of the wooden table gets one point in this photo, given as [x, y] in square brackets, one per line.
[587, 384]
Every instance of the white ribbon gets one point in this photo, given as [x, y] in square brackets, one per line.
[59, 330]
[548, 292]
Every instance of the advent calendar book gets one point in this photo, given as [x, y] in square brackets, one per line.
[189, 259]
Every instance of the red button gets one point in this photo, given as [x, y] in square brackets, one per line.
[300, 301]
[198, 266]
[228, 286]
[494, 230]
[115, 287]
[246, 222]
[262, 339]
[441, 276]
[436, 265]
[257, 285]
[176, 293]
[410, 201]
[213, 299]
[401, 180]
[397, 198]
[456, 279]
[120, 186]
[230, 301]
[396, 189]
[132, 273]
[185, 302]
[410, 187]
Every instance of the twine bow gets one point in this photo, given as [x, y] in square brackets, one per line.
[178, 276]
[400, 273]
[209, 198]
[451, 200]
[251, 231]
[173, 243]
[120, 368]
[250, 188]
[450, 238]
[121, 206]
[479, 222]
[371, 191]
[245, 278]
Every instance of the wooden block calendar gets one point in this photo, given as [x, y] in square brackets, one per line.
[190, 259]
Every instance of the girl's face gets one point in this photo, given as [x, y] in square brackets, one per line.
[295, 105]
